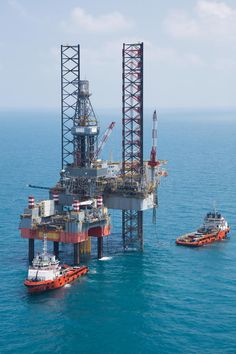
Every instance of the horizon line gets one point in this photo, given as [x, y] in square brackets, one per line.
[160, 109]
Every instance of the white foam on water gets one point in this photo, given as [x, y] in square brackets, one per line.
[67, 286]
[105, 259]
[133, 249]
[93, 271]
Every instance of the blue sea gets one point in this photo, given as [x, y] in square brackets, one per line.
[168, 299]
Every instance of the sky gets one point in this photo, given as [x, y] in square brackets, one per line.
[189, 50]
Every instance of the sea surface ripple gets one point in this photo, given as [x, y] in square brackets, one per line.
[169, 299]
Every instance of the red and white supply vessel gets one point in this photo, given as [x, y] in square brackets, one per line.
[47, 274]
[214, 228]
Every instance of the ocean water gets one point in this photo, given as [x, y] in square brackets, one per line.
[169, 299]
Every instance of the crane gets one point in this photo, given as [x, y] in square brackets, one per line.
[153, 162]
[104, 139]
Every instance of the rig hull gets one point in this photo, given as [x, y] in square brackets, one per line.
[67, 237]
[69, 275]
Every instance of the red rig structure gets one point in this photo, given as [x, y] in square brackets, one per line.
[77, 209]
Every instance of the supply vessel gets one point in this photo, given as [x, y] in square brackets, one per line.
[46, 273]
[214, 228]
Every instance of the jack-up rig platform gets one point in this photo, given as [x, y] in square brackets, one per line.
[77, 208]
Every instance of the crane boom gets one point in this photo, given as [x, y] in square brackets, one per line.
[154, 130]
[153, 163]
[104, 139]
[153, 156]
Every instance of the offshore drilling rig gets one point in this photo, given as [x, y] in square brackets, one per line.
[77, 209]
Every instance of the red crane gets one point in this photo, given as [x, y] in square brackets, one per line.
[153, 162]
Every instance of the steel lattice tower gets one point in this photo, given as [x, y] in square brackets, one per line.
[132, 137]
[70, 78]
[85, 128]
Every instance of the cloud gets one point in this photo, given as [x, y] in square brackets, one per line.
[217, 10]
[209, 20]
[23, 13]
[16, 6]
[110, 22]
[172, 56]
[110, 54]
[110, 50]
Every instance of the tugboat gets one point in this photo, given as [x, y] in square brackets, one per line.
[47, 274]
[214, 228]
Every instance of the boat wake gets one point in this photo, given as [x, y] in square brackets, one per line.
[67, 286]
[105, 259]
[93, 271]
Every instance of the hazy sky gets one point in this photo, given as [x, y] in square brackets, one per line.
[189, 48]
